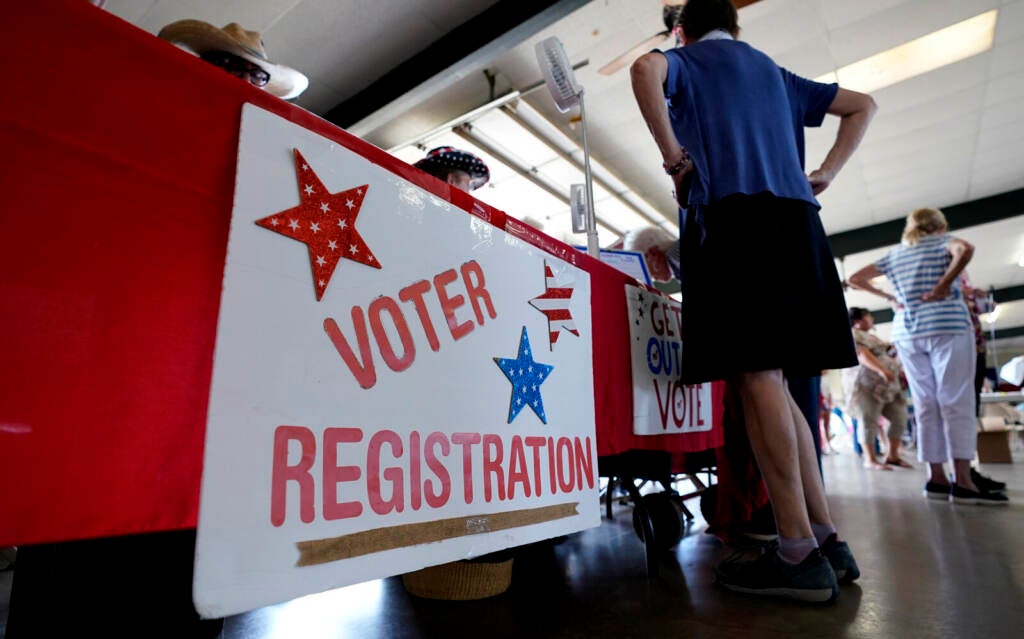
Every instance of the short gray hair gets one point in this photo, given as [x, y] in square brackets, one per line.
[643, 239]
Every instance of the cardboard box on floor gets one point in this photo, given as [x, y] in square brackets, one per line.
[994, 441]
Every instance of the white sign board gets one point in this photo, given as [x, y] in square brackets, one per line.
[396, 383]
[631, 263]
[662, 405]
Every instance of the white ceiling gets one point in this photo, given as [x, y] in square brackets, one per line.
[949, 136]
[341, 45]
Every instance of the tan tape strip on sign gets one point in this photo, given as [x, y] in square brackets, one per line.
[321, 551]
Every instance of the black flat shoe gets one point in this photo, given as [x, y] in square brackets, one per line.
[961, 495]
[987, 484]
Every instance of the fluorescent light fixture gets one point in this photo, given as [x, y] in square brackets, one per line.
[531, 164]
[1020, 262]
[927, 53]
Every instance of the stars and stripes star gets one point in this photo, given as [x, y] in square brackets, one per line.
[324, 222]
[554, 303]
[526, 376]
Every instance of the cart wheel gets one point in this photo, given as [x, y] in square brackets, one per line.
[709, 502]
[666, 516]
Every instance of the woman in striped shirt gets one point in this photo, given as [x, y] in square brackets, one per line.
[933, 334]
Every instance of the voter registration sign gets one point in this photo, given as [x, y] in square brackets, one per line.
[661, 404]
[396, 382]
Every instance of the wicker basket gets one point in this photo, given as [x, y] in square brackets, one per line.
[460, 580]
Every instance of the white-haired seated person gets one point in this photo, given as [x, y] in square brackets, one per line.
[660, 251]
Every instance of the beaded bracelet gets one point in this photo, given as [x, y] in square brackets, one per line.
[678, 167]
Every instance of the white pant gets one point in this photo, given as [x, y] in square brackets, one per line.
[940, 370]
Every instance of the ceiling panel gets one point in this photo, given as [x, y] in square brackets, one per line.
[899, 24]
[935, 86]
[255, 15]
[130, 10]
[811, 58]
[343, 50]
[963, 105]
[841, 13]
[1011, 21]
[1008, 55]
[782, 26]
[1005, 88]
[984, 186]
[1004, 114]
[877, 148]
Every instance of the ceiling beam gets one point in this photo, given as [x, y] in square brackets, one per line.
[466, 48]
[960, 216]
[1006, 333]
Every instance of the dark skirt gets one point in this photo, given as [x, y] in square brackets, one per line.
[761, 292]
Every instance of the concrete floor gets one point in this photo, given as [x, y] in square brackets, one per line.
[929, 570]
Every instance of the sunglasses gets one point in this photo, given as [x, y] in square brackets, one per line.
[238, 67]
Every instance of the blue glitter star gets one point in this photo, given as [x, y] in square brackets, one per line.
[526, 376]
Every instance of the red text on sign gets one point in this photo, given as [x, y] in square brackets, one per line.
[385, 317]
[393, 471]
[680, 402]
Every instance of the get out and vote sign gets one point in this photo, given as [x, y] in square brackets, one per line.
[396, 383]
[661, 404]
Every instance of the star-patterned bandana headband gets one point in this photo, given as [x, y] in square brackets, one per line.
[448, 158]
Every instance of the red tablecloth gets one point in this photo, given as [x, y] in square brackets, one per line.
[117, 180]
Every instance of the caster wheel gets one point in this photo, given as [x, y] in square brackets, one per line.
[709, 502]
[666, 515]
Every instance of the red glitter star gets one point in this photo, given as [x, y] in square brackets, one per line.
[325, 222]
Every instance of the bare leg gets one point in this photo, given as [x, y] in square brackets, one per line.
[869, 433]
[893, 457]
[774, 440]
[937, 474]
[825, 433]
[810, 478]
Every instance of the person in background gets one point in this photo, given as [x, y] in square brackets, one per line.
[873, 391]
[660, 251]
[978, 301]
[729, 125]
[932, 331]
[825, 417]
[237, 51]
[975, 298]
[461, 169]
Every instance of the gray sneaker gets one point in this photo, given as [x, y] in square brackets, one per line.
[841, 559]
[812, 580]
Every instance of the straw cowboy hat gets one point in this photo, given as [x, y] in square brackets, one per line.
[201, 37]
[447, 158]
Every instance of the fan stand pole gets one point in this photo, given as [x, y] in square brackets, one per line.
[593, 249]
